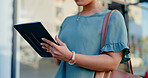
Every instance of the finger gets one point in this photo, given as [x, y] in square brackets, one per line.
[44, 44]
[58, 40]
[50, 43]
[44, 47]
[54, 60]
[47, 49]
[52, 49]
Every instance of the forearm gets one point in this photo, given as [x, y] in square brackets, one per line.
[101, 62]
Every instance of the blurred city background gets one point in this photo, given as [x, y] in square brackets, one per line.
[19, 60]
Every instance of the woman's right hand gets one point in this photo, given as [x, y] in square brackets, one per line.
[56, 61]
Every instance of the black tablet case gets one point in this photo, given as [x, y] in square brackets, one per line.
[32, 33]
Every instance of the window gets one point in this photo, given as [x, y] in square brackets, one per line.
[51, 13]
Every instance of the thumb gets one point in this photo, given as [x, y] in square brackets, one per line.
[58, 40]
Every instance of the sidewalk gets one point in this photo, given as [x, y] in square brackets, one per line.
[46, 69]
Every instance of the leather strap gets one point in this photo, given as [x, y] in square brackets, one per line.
[130, 67]
[104, 29]
[103, 36]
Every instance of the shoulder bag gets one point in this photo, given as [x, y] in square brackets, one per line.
[115, 73]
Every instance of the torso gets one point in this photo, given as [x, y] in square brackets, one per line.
[83, 37]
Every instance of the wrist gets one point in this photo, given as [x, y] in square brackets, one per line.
[73, 59]
[69, 56]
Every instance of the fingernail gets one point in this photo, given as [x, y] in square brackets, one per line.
[41, 44]
[43, 47]
[43, 38]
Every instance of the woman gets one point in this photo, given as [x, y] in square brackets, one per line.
[79, 42]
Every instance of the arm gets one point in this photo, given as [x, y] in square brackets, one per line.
[103, 62]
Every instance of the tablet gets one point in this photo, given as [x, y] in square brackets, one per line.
[33, 32]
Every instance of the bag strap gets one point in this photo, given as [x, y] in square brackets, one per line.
[103, 36]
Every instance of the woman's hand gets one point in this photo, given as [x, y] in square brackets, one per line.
[60, 52]
[56, 61]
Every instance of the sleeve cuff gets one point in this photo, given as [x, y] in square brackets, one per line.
[117, 47]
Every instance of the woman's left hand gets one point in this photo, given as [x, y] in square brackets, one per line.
[60, 52]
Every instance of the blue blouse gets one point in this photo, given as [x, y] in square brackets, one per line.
[84, 36]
